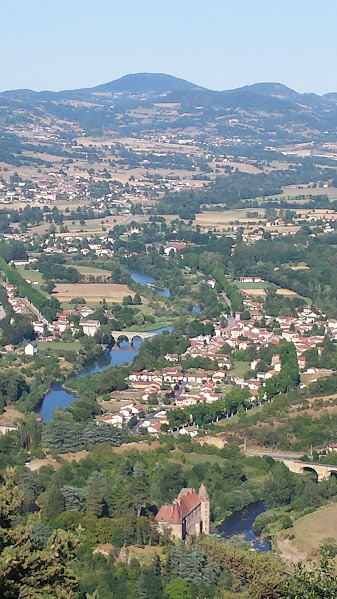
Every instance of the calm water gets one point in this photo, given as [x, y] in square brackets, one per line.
[241, 524]
[143, 279]
[196, 309]
[58, 397]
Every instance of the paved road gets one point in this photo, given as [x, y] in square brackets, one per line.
[231, 318]
[275, 455]
[122, 222]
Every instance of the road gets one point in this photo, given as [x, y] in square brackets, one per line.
[274, 455]
[231, 318]
[122, 222]
[151, 415]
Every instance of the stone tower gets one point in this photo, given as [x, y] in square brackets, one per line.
[205, 508]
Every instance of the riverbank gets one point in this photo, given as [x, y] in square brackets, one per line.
[241, 524]
[119, 355]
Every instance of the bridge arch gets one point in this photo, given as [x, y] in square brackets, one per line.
[136, 338]
[332, 472]
[121, 337]
[308, 469]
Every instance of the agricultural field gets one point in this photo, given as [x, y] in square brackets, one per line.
[222, 219]
[88, 271]
[93, 293]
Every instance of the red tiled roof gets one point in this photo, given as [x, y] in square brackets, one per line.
[187, 501]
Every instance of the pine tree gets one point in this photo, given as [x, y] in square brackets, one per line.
[95, 494]
[53, 504]
[73, 498]
[150, 582]
[29, 567]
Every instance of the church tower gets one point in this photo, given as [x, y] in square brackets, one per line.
[205, 508]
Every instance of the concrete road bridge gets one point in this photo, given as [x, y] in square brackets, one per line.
[322, 471]
[130, 336]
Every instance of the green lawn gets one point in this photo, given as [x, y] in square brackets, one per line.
[53, 346]
[254, 285]
[201, 458]
[240, 368]
[146, 328]
[33, 275]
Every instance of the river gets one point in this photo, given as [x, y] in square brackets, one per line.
[58, 397]
[143, 279]
[241, 524]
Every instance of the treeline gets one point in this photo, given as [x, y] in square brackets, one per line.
[47, 307]
[106, 381]
[204, 413]
[289, 377]
[230, 290]
[62, 434]
[232, 191]
[53, 269]
[152, 352]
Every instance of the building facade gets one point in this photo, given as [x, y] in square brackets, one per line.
[188, 515]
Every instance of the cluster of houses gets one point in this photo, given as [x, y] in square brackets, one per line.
[17, 303]
[278, 227]
[49, 331]
[195, 386]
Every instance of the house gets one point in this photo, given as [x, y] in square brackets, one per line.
[191, 430]
[188, 515]
[10, 348]
[252, 279]
[332, 447]
[31, 348]
[172, 357]
[90, 327]
[38, 327]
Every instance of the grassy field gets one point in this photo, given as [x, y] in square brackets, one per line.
[310, 533]
[200, 458]
[92, 270]
[240, 368]
[250, 286]
[32, 275]
[92, 292]
[59, 345]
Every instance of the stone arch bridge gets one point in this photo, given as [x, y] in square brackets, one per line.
[323, 471]
[130, 336]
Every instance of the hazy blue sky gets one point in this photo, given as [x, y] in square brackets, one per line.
[221, 44]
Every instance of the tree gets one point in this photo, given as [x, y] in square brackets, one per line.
[149, 583]
[137, 301]
[280, 487]
[320, 582]
[28, 567]
[95, 493]
[177, 589]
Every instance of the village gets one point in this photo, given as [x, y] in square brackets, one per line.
[173, 387]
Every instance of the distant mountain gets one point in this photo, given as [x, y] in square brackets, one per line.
[332, 96]
[276, 90]
[145, 82]
[266, 111]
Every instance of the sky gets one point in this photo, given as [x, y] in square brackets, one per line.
[220, 44]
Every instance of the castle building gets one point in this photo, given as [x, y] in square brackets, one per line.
[188, 515]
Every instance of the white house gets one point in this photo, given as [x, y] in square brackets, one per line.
[31, 348]
[90, 327]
